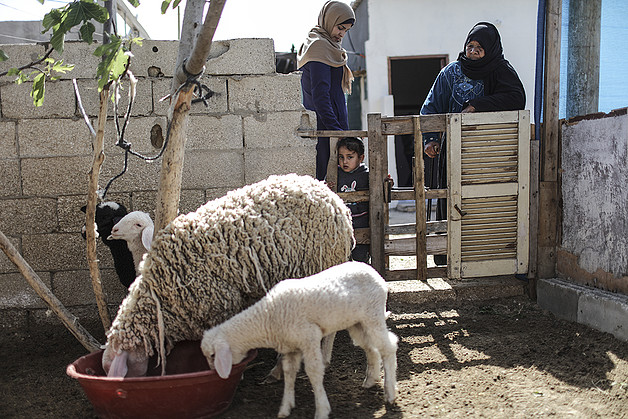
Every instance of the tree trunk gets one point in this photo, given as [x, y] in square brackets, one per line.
[172, 163]
[90, 211]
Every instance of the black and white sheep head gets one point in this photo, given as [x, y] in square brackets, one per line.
[107, 215]
[133, 225]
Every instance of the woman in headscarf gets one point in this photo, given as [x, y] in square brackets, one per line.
[326, 77]
[481, 80]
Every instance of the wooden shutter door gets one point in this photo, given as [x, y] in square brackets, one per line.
[488, 166]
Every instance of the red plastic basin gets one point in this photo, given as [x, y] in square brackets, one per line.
[188, 390]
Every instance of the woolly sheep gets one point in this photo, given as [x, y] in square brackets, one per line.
[293, 318]
[208, 265]
[136, 228]
[107, 215]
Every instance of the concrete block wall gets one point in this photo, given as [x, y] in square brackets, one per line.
[246, 133]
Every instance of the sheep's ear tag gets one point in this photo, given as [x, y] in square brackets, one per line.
[147, 237]
[222, 360]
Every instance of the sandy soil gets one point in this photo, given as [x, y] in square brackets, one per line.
[501, 359]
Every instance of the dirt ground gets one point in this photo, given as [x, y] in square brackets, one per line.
[501, 358]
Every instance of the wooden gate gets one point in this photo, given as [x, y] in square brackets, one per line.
[487, 231]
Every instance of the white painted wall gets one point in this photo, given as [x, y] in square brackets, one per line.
[427, 27]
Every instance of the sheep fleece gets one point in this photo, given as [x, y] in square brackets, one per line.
[208, 265]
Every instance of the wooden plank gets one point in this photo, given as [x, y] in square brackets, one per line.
[362, 235]
[523, 195]
[398, 125]
[482, 118]
[333, 134]
[332, 164]
[480, 268]
[534, 210]
[355, 196]
[406, 246]
[431, 228]
[454, 198]
[378, 172]
[497, 190]
[419, 196]
[409, 194]
[549, 145]
[548, 229]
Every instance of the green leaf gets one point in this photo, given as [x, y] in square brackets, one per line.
[134, 3]
[41, 1]
[13, 72]
[3, 56]
[52, 18]
[57, 40]
[87, 32]
[164, 6]
[175, 4]
[39, 88]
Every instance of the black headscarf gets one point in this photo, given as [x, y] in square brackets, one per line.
[487, 36]
[503, 89]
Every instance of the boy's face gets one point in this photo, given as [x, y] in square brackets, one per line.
[349, 160]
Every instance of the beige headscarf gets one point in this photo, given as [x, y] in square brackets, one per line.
[319, 45]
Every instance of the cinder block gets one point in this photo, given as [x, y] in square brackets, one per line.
[214, 193]
[13, 320]
[189, 200]
[28, 216]
[214, 133]
[8, 144]
[74, 288]
[6, 266]
[275, 130]
[81, 55]
[216, 104]
[142, 105]
[58, 102]
[54, 137]
[20, 55]
[140, 175]
[10, 175]
[55, 175]
[241, 56]
[205, 169]
[54, 252]
[261, 163]
[85, 315]
[17, 292]
[154, 58]
[560, 297]
[277, 92]
[138, 132]
[604, 311]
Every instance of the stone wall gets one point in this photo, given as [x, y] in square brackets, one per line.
[247, 133]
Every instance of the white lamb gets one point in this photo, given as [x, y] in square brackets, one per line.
[136, 228]
[293, 318]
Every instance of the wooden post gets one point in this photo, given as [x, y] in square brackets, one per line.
[419, 196]
[548, 187]
[583, 57]
[378, 169]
